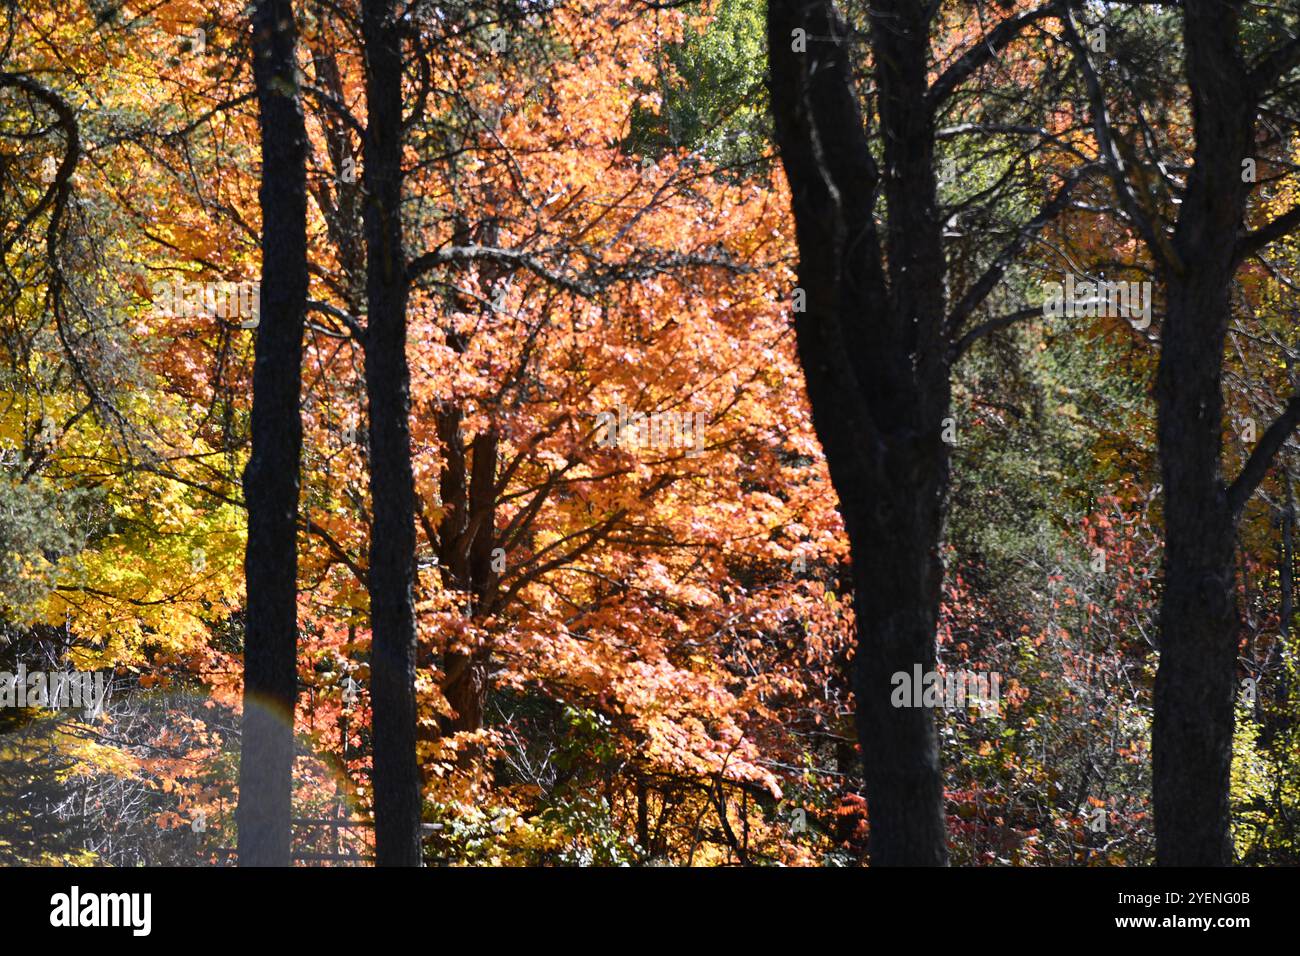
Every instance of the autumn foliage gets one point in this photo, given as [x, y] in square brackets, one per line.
[629, 651]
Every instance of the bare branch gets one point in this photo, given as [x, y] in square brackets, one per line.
[1279, 228]
[992, 325]
[985, 49]
[1146, 225]
[1257, 465]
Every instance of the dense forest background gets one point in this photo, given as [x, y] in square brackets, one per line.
[565, 399]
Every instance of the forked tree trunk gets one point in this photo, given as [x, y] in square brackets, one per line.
[875, 361]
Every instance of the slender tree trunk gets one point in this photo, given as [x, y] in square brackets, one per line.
[875, 362]
[1286, 576]
[468, 556]
[271, 477]
[392, 489]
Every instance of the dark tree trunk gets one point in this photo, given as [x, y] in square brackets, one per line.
[875, 360]
[1286, 581]
[392, 489]
[1195, 682]
[1193, 722]
[1192, 729]
[468, 559]
[271, 477]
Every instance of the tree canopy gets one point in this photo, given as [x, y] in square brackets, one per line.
[608, 432]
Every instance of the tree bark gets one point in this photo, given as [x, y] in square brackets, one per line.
[875, 360]
[271, 477]
[396, 775]
[1193, 723]
[467, 536]
[1286, 581]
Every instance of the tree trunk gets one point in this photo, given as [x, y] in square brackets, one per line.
[396, 775]
[875, 361]
[470, 561]
[1286, 581]
[271, 477]
[1193, 722]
